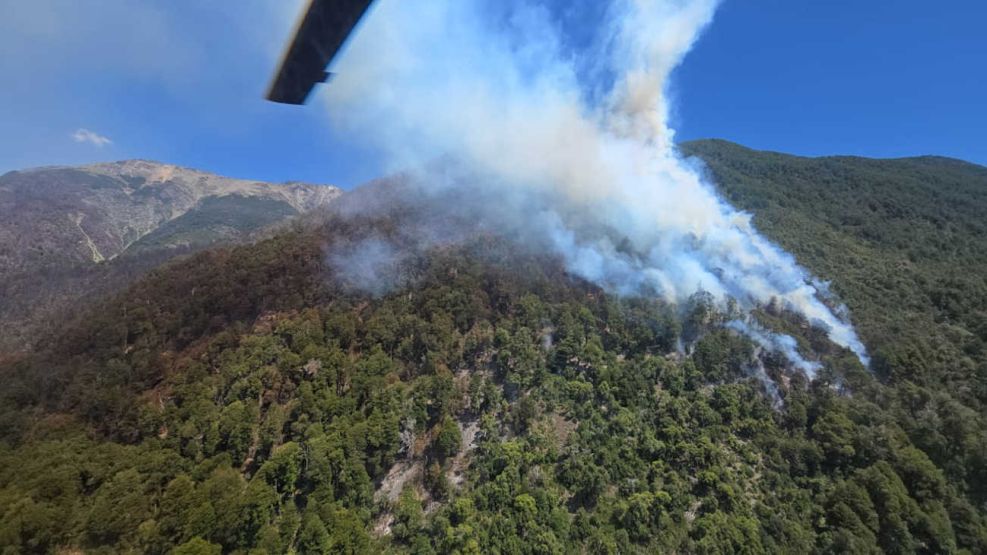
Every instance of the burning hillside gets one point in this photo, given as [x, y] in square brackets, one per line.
[567, 146]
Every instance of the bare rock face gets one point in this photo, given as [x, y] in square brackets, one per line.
[62, 226]
[95, 213]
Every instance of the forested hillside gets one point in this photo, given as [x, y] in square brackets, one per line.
[904, 244]
[247, 400]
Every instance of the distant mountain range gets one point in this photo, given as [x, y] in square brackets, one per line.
[70, 232]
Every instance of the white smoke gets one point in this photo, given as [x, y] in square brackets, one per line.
[776, 343]
[565, 141]
[371, 265]
[756, 369]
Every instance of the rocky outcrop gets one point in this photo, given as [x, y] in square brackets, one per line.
[63, 229]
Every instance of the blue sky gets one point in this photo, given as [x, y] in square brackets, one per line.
[182, 81]
[882, 78]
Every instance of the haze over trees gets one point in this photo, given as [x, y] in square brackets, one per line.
[245, 400]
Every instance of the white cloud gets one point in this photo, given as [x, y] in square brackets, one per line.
[82, 135]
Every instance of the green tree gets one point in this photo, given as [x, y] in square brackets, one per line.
[449, 439]
[314, 538]
[197, 546]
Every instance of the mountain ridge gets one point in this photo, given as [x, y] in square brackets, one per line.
[688, 146]
[60, 224]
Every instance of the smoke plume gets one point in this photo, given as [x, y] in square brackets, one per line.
[776, 343]
[552, 125]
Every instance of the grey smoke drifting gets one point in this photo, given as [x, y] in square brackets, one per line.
[371, 265]
[563, 139]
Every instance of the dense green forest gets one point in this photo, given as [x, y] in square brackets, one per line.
[245, 401]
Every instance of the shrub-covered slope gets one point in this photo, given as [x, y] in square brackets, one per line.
[244, 401]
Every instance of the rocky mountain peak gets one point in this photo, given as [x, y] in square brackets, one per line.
[59, 221]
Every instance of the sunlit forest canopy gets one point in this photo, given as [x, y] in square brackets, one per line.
[246, 400]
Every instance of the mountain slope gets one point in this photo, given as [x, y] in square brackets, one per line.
[246, 400]
[902, 241]
[65, 230]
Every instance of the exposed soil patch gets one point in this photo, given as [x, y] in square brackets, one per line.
[457, 467]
